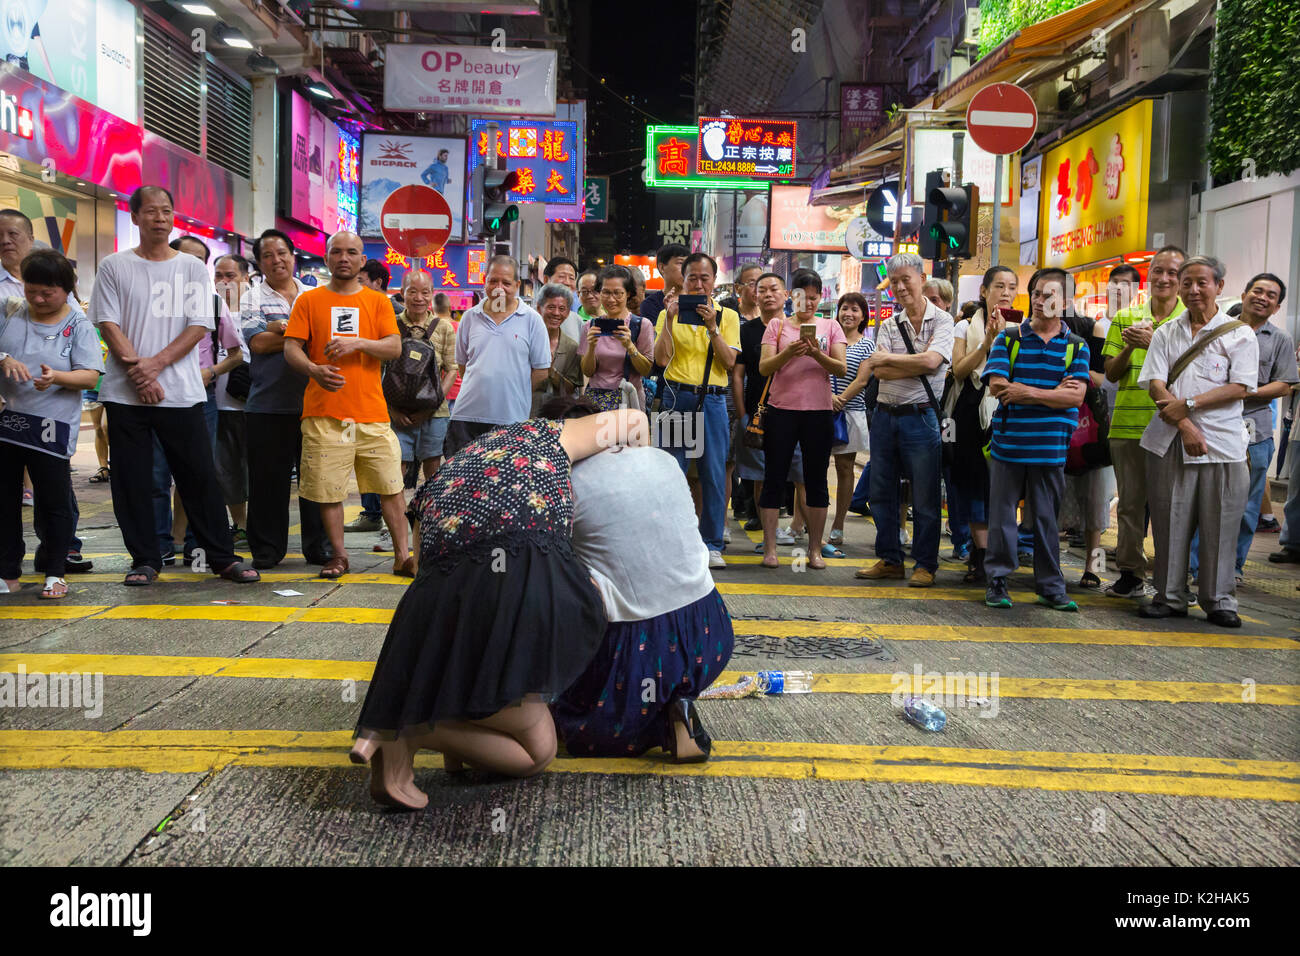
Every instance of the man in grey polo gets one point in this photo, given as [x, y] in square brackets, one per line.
[503, 351]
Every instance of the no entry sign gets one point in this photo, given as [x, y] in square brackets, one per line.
[1001, 119]
[416, 221]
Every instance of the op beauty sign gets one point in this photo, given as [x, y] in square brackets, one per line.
[469, 79]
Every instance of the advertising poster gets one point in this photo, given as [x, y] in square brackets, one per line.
[798, 227]
[86, 47]
[469, 79]
[390, 161]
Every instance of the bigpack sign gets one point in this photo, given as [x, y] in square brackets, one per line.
[469, 79]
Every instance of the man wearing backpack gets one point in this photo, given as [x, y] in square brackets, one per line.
[421, 433]
[1039, 375]
[1199, 368]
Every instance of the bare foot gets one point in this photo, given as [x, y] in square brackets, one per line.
[11, 585]
[770, 560]
[816, 563]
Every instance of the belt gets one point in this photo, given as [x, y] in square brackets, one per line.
[918, 409]
[695, 389]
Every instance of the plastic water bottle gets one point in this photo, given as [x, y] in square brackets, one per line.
[924, 714]
[785, 682]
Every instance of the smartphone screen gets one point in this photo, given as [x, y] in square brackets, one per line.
[1013, 315]
[607, 325]
[686, 306]
[808, 330]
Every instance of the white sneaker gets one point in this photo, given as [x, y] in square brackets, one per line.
[904, 539]
[715, 560]
[384, 542]
[785, 536]
[726, 536]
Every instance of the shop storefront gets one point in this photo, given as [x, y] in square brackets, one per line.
[319, 176]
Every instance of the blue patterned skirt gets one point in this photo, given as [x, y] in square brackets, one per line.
[606, 399]
[618, 707]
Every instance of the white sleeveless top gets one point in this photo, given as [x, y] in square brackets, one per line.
[634, 527]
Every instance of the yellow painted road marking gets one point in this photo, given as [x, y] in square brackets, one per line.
[969, 633]
[198, 751]
[279, 668]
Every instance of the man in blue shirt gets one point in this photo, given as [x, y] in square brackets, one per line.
[437, 174]
[1039, 374]
[504, 351]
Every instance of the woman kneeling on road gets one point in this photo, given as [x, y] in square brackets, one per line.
[501, 617]
[669, 633]
[53, 355]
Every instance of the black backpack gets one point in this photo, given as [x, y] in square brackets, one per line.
[411, 381]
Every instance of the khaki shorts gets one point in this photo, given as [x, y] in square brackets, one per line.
[332, 450]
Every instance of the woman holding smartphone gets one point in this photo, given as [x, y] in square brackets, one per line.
[618, 343]
[801, 353]
[972, 410]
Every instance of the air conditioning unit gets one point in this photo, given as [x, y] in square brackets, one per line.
[956, 66]
[970, 28]
[916, 75]
[1138, 53]
[939, 54]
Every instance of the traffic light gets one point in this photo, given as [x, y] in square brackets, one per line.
[493, 211]
[958, 210]
[928, 247]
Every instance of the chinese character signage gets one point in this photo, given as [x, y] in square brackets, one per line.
[753, 148]
[1094, 192]
[390, 161]
[862, 108]
[798, 227]
[597, 198]
[576, 111]
[469, 79]
[455, 267]
[544, 152]
[347, 180]
[671, 162]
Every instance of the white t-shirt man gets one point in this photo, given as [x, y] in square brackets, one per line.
[153, 303]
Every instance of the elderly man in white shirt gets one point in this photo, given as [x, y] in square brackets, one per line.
[1196, 446]
[16, 240]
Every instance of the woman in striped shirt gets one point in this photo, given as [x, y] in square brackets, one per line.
[852, 314]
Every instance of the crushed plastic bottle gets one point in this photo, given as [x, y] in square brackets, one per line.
[785, 682]
[924, 714]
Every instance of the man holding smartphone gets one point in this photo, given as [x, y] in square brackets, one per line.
[697, 344]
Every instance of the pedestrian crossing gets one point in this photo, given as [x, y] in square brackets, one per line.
[1111, 625]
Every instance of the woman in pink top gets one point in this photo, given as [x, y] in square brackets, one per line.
[799, 410]
[612, 357]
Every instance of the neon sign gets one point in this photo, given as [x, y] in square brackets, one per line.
[543, 151]
[672, 162]
[733, 146]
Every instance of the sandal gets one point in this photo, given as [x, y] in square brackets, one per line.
[99, 477]
[336, 567]
[54, 589]
[6, 589]
[240, 573]
[406, 569]
[830, 551]
[141, 576]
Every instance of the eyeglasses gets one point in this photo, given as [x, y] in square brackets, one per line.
[614, 293]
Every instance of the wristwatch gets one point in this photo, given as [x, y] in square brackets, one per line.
[1190, 403]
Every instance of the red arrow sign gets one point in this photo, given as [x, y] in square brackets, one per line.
[1001, 119]
[416, 221]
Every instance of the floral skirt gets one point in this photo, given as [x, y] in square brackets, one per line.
[606, 399]
[618, 707]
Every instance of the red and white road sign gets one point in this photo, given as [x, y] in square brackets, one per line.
[415, 221]
[1001, 119]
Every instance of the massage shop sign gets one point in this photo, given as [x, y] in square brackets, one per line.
[1093, 204]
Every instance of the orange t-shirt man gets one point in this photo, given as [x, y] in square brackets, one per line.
[321, 314]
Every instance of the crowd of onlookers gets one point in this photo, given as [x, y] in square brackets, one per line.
[215, 386]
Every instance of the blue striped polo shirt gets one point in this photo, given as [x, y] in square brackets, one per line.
[1035, 434]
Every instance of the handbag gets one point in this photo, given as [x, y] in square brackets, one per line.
[411, 382]
[754, 430]
[839, 429]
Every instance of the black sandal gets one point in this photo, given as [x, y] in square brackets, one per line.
[99, 477]
[140, 577]
[240, 573]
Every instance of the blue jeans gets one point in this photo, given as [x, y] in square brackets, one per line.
[1258, 457]
[712, 464]
[906, 446]
[370, 506]
[863, 489]
[958, 513]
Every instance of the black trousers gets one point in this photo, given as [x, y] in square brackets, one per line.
[460, 434]
[274, 449]
[52, 498]
[814, 432]
[183, 435]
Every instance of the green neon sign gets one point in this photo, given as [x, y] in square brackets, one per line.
[671, 153]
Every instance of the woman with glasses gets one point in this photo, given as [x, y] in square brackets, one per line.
[619, 344]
